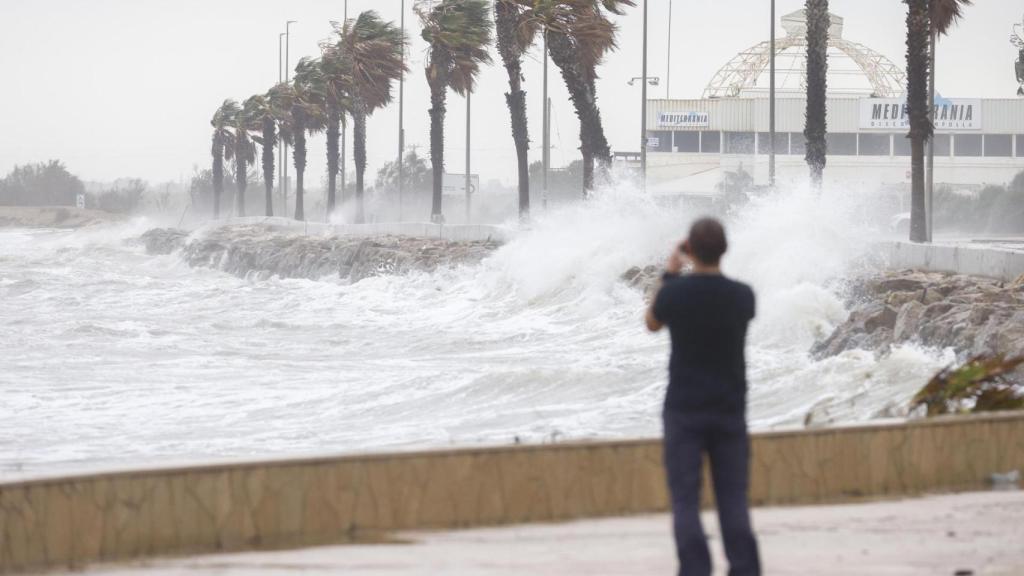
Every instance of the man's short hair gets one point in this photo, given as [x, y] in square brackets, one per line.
[707, 241]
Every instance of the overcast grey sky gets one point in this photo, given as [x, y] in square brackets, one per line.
[126, 88]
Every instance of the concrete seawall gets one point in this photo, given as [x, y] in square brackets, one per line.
[73, 521]
[971, 259]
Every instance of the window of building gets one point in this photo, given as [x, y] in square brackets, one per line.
[659, 141]
[999, 145]
[687, 142]
[967, 145]
[900, 144]
[942, 144]
[739, 142]
[874, 144]
[797, 144]
[711, 142]
[781, 143]
[1020, 145]
[840, 144]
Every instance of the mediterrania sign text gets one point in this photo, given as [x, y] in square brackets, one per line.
[892, 113]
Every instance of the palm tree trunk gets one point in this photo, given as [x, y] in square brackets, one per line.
[269, 142]
[918, 31]
[299, 155]
[438, 92]
[815, 129]
[582, 92]
[333, 158]
[506, 20]
[241, 178]
[359, 156]
[218, 175]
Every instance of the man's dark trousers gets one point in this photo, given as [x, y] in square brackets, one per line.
[724, 438]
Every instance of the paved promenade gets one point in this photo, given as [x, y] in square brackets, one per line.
[979, 532]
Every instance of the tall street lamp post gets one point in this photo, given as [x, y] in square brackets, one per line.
[401, 120]
[280, 140]
[771, 105]
[287, 78]
[643, 111]
[344, 129]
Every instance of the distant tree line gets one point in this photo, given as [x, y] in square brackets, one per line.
[50, 184]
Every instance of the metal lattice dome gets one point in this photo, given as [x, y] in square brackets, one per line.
[853, 69]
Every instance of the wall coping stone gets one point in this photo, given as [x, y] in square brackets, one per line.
[328, 458]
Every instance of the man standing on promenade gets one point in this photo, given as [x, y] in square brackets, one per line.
[707, 316]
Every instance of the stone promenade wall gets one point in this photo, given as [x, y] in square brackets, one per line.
[453, 232]
[69, 522]
[979, 260]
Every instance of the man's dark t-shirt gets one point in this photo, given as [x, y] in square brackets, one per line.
[707, 316]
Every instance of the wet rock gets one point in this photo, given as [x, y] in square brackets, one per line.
[968, 314]
[164, 240]
[255, 251]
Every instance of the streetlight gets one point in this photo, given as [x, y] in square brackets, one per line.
[344, 129]
[401, 119]
[280, 140]
[287, 77]
[668, 66]
[643, 112]
[771, 106]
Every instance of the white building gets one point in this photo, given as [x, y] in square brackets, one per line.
[693, 142]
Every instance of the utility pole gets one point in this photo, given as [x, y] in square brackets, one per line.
[344, 130]
[930, 175]
[280, 139]
[287, 78]
[546, 137]
[469, 179]
[401, 121]
[643, 107]
[771, 107]
[643, 111]
[668, 67]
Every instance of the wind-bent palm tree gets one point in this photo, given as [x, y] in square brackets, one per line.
[815, 127]
[922, 17]
[223, 146]
[337, 102]
[371, 55]
[515, 34]
[262, 120]
[458, 32]
[307, 116]
[244, 157]
[580, 34]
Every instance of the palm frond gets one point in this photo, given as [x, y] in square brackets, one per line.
[946, 13]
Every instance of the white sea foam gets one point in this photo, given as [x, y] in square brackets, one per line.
[112, 357]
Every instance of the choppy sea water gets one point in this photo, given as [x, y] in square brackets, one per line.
[113, 358]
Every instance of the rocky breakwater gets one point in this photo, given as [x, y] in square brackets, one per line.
[971, 315]
[262, 252]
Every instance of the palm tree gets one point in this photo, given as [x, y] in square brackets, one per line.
[515, 34]
[336, 89]
[815, 127]
[458, 32]
[307, 115]
[579, 35]
[223, 147]
[244, 156]
[262, 120]
[371, 55]
[922, 17]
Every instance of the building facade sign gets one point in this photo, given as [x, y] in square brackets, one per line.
[892, 114]
[684, 120]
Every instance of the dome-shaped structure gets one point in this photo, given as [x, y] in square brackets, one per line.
[853, 69]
